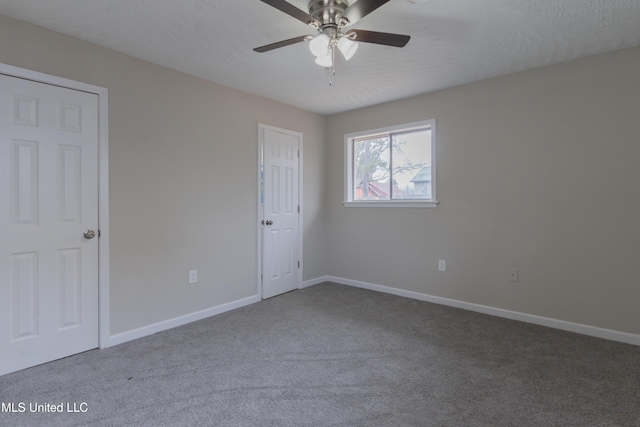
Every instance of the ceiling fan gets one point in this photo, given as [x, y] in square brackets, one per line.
[330, 18]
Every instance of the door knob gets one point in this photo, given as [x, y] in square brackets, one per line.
[269, 222]
[89, 234]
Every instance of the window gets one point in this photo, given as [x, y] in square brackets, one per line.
[392, 166]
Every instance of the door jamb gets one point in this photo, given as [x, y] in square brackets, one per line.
[260, 214]
[103, 183]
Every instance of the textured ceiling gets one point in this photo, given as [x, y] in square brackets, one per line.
[453, 42]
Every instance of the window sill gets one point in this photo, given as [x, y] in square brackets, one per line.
[391, 204]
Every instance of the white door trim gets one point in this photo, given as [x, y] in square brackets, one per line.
[103, 181]
[260, 215]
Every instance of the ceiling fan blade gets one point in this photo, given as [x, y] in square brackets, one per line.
[282, 43]
[387, 39]
[293, 11]
[360, 9]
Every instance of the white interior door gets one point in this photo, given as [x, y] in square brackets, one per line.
[280, 223]
[49, 194]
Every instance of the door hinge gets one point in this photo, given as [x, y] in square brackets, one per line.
[298, 153]
[99, 229]
[298, 263]
[298, 208]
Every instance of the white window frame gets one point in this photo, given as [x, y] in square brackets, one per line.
[348, 167]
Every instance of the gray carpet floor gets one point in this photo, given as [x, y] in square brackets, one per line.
[332, 355]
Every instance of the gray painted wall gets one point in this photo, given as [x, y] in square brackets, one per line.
[183, 176]
[539, 170]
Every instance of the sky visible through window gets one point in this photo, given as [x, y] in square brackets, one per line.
[416, 150]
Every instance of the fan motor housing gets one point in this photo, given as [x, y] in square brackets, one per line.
[326, 11]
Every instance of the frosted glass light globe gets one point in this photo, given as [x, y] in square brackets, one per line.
[347, 47]
[319, 45]
[326, 60]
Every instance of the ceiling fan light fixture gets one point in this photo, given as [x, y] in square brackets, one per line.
[319, 45]
[326, 60]
[329, 18]
[347, 47]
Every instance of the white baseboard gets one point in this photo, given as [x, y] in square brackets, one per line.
[579, 328]
[315, 281]
[179, 321]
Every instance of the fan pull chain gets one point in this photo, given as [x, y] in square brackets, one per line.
[333, 65]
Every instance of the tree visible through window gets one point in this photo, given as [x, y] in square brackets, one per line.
[392, 165]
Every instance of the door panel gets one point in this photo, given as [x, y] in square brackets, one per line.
[49, 182]
[280, 269]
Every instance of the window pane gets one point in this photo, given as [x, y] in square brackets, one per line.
[412, 165]
[371, 158]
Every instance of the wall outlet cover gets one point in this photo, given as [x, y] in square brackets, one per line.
[193, 276]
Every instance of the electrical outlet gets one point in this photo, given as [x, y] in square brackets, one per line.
[442, 265]
[513, 275]
[193, 276]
